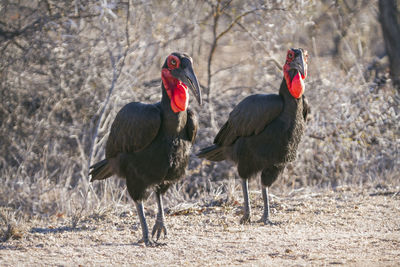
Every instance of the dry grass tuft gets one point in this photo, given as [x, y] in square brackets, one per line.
[64, 79]
[9, 227]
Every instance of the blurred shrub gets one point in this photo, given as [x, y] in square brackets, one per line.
[67, 68]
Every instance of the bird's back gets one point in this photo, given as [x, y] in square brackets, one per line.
[142, 146]
[276, 144]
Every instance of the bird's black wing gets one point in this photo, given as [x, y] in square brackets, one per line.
[192, 125]
[249, 117]
[134, 128]
[306, 108]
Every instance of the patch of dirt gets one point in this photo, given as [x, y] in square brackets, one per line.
[345, 227]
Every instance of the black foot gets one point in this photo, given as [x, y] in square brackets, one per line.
[267, 221]
[151, 243]
[245, 219]
[159, 228]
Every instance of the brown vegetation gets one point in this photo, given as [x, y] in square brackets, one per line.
[348, 226]
[67, 67]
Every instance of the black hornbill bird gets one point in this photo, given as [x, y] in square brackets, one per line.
[263, 131]
[149, 144]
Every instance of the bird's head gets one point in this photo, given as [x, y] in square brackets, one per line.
[295, 71]
[177, 75]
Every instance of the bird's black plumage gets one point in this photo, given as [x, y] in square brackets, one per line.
[149, 144]
[263, 131]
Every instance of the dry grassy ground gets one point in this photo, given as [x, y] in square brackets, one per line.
[313, 227]
[66, 70]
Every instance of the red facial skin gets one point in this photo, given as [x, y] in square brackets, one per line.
[177, 91]
[296, 85]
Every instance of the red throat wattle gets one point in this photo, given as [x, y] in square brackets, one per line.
[176, 90]
[296, 85]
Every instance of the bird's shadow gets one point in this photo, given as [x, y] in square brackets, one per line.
[62, 229]
[273, 223]
[11, 247]
[110, 244]
[136, 244]
[267, 224]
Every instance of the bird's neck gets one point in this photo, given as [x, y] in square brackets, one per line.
[176, 90]
[294, 84]
[291, 104]
[173, 122]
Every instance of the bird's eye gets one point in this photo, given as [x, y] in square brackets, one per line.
[173, 62]
[290, 55]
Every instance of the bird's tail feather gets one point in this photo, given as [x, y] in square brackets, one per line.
[101, 170]
[213, 153]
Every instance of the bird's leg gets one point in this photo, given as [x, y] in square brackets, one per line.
[142, 218]
[246, 202]
[265, 217]
[159, 226]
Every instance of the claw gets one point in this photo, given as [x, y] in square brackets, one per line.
[245, 219]
[151, 243]
[267, 221]
[159, 228]
[147, 242]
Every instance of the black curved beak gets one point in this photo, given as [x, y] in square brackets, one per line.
[188, 77]
[298, 64]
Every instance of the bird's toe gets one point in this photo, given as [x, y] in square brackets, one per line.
[155, 244]
[158, 229]
[267, 221]
[245, 219]
[151, 243]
